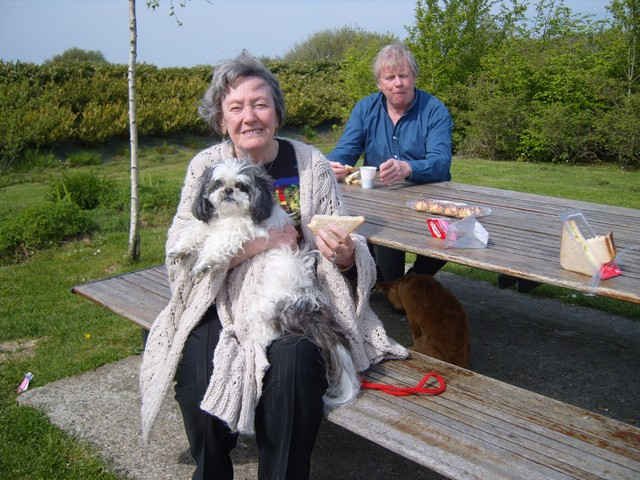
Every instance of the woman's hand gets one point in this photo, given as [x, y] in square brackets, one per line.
[284, 237]
[336, 246]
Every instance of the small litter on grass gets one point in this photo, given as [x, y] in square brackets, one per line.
[24, 384]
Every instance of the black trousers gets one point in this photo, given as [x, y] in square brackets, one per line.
[390, 263]
[288, 415]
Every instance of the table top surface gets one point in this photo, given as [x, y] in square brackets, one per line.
[524, 232]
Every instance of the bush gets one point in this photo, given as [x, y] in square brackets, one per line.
[87, 103]
[618, 129]
[331, 45]
[42, 225]
[78, 55]
[35, 159]
[86, 158]
[158, 194]
[557, 133]
[85, 189]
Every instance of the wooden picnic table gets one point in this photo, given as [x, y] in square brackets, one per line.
[479, 428]
[524, 232]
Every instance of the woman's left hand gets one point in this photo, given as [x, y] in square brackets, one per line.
[336, 246]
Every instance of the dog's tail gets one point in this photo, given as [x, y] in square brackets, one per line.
[309, 317]
[345, 387]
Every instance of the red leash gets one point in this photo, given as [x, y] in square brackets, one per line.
[404, 391]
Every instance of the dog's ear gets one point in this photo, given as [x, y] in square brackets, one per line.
[262, 201]
[202, 208]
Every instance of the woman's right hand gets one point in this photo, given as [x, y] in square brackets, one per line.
[286, 236]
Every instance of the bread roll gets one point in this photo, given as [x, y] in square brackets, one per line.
[346, 223]
[353, 178]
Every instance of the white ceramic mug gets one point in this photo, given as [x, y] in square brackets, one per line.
[367, 175]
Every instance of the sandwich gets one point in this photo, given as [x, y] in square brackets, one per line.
[585, 255]
[345, 223]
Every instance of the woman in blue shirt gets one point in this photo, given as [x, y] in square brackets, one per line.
[403, 131]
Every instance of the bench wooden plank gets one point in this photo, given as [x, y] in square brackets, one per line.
[480, 428]
[551, 413]
[137, 296]
[514, 421]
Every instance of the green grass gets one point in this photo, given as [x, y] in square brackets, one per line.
[72, 335]
[606, 184]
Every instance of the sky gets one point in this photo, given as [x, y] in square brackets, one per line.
[212, 30]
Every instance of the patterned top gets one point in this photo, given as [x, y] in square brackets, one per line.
[286, 181]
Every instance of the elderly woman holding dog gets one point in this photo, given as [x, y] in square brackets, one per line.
[196, 332]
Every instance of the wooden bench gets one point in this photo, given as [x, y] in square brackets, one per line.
[480, 428]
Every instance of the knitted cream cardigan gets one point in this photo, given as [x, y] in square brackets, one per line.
[235, 385]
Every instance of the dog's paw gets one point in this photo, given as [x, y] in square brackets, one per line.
[181, 251]
[173, 254]
[200, 269]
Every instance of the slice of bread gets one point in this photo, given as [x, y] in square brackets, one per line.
[584, 255]
[602, 248]
[346, 223]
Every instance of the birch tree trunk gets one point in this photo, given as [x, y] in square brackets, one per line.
[134, 233]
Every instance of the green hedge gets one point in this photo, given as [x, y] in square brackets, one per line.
[532, 100]
[44, 105]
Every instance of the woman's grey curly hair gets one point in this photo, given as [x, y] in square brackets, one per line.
[225, 76]
[394, 55]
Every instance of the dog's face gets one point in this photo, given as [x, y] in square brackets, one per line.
[234, 188]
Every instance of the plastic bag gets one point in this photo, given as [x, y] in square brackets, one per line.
[582, 251]
[465, 233]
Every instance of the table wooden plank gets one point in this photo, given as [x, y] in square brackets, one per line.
[524, 232]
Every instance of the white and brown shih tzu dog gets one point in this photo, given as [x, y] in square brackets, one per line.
[235, 204]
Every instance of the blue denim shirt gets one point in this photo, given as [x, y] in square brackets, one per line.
[421, 137]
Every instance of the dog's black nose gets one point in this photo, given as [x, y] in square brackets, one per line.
[228, 191]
